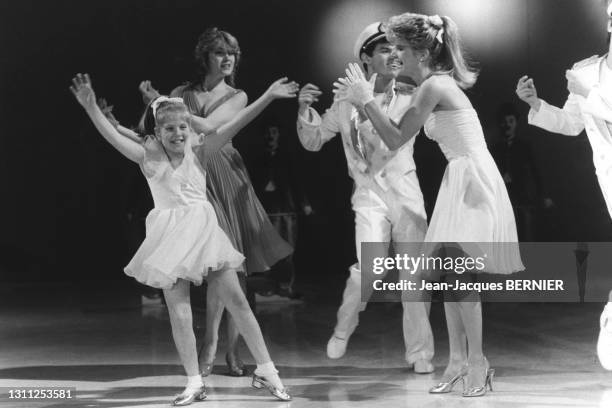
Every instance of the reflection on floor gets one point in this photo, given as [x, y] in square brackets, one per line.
[119, 354]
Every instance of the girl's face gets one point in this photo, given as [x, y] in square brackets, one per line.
[410, 61]
[221, 61]
[173, 132]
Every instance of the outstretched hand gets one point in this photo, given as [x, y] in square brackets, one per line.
[283, 88]
[83, 91]
[526, 91]
[148, 92]
[308, 95]
[107, 110]
[355, 88]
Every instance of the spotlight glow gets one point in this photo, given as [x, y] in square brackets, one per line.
[341, 26]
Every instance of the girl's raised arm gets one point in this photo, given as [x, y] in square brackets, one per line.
[280, 89]
[84, 94]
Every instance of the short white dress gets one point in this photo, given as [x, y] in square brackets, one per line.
[473, 204]
[183, 239]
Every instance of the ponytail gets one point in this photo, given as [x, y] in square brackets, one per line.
[452, 55]
[440, 37]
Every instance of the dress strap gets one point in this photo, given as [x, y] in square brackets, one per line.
[221, 101]
[190, 99]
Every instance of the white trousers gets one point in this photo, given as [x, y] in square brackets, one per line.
[398, 215]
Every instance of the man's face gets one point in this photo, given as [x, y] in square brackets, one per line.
[508, 125]
[383, 61]
[272, 135]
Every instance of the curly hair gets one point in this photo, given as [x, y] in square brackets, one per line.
[210, 40]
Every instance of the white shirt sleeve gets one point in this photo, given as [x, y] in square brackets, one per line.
[314, 133]
[567, 121]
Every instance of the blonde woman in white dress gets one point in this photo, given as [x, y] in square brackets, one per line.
[472, 204]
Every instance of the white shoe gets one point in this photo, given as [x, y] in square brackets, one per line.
[336, 347]
[423, 367]
[604, 342]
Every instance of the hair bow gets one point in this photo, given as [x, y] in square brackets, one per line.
[437, 22]
[162, 99]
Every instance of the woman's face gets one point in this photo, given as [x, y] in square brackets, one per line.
[221, 61]
[406, 54]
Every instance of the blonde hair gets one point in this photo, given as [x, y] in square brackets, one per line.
[149, 120]
[440, 37]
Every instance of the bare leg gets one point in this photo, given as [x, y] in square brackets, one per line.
[232, 338]
[181, 320]
[214, 313]
[457, 341]
[464, 317]
[228, 287]
[471, 315]
[235, 365]
[179, 308]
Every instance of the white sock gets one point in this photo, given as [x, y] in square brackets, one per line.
[194, 382]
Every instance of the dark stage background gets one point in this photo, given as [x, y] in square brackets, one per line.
[65, 191]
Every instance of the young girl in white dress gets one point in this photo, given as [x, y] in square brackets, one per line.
[472, 204]
[184, 242]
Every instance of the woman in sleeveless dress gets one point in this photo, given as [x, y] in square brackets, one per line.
[472, 204]
[213, 101]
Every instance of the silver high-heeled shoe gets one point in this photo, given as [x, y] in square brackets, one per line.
[481, 390]
[446, 387]
[260, 382]
[186, 399]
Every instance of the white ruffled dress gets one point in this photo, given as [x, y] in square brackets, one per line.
[183, 239]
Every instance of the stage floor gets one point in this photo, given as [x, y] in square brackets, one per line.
[118, 354]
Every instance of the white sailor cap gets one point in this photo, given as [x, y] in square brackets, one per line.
[371, 33]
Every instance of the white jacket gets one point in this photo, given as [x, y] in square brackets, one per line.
[384, 167]
[589, 113]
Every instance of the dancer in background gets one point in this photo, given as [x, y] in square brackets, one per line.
[387, 200]
[472, 204]
[282, 194]
[588, 107]
[213, 101]
[184, 242]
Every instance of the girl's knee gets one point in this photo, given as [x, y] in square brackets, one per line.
[181, 312]
[235, 299]
[240, 302]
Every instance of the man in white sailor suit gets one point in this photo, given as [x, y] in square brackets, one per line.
[588, 107]
[387, 199]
